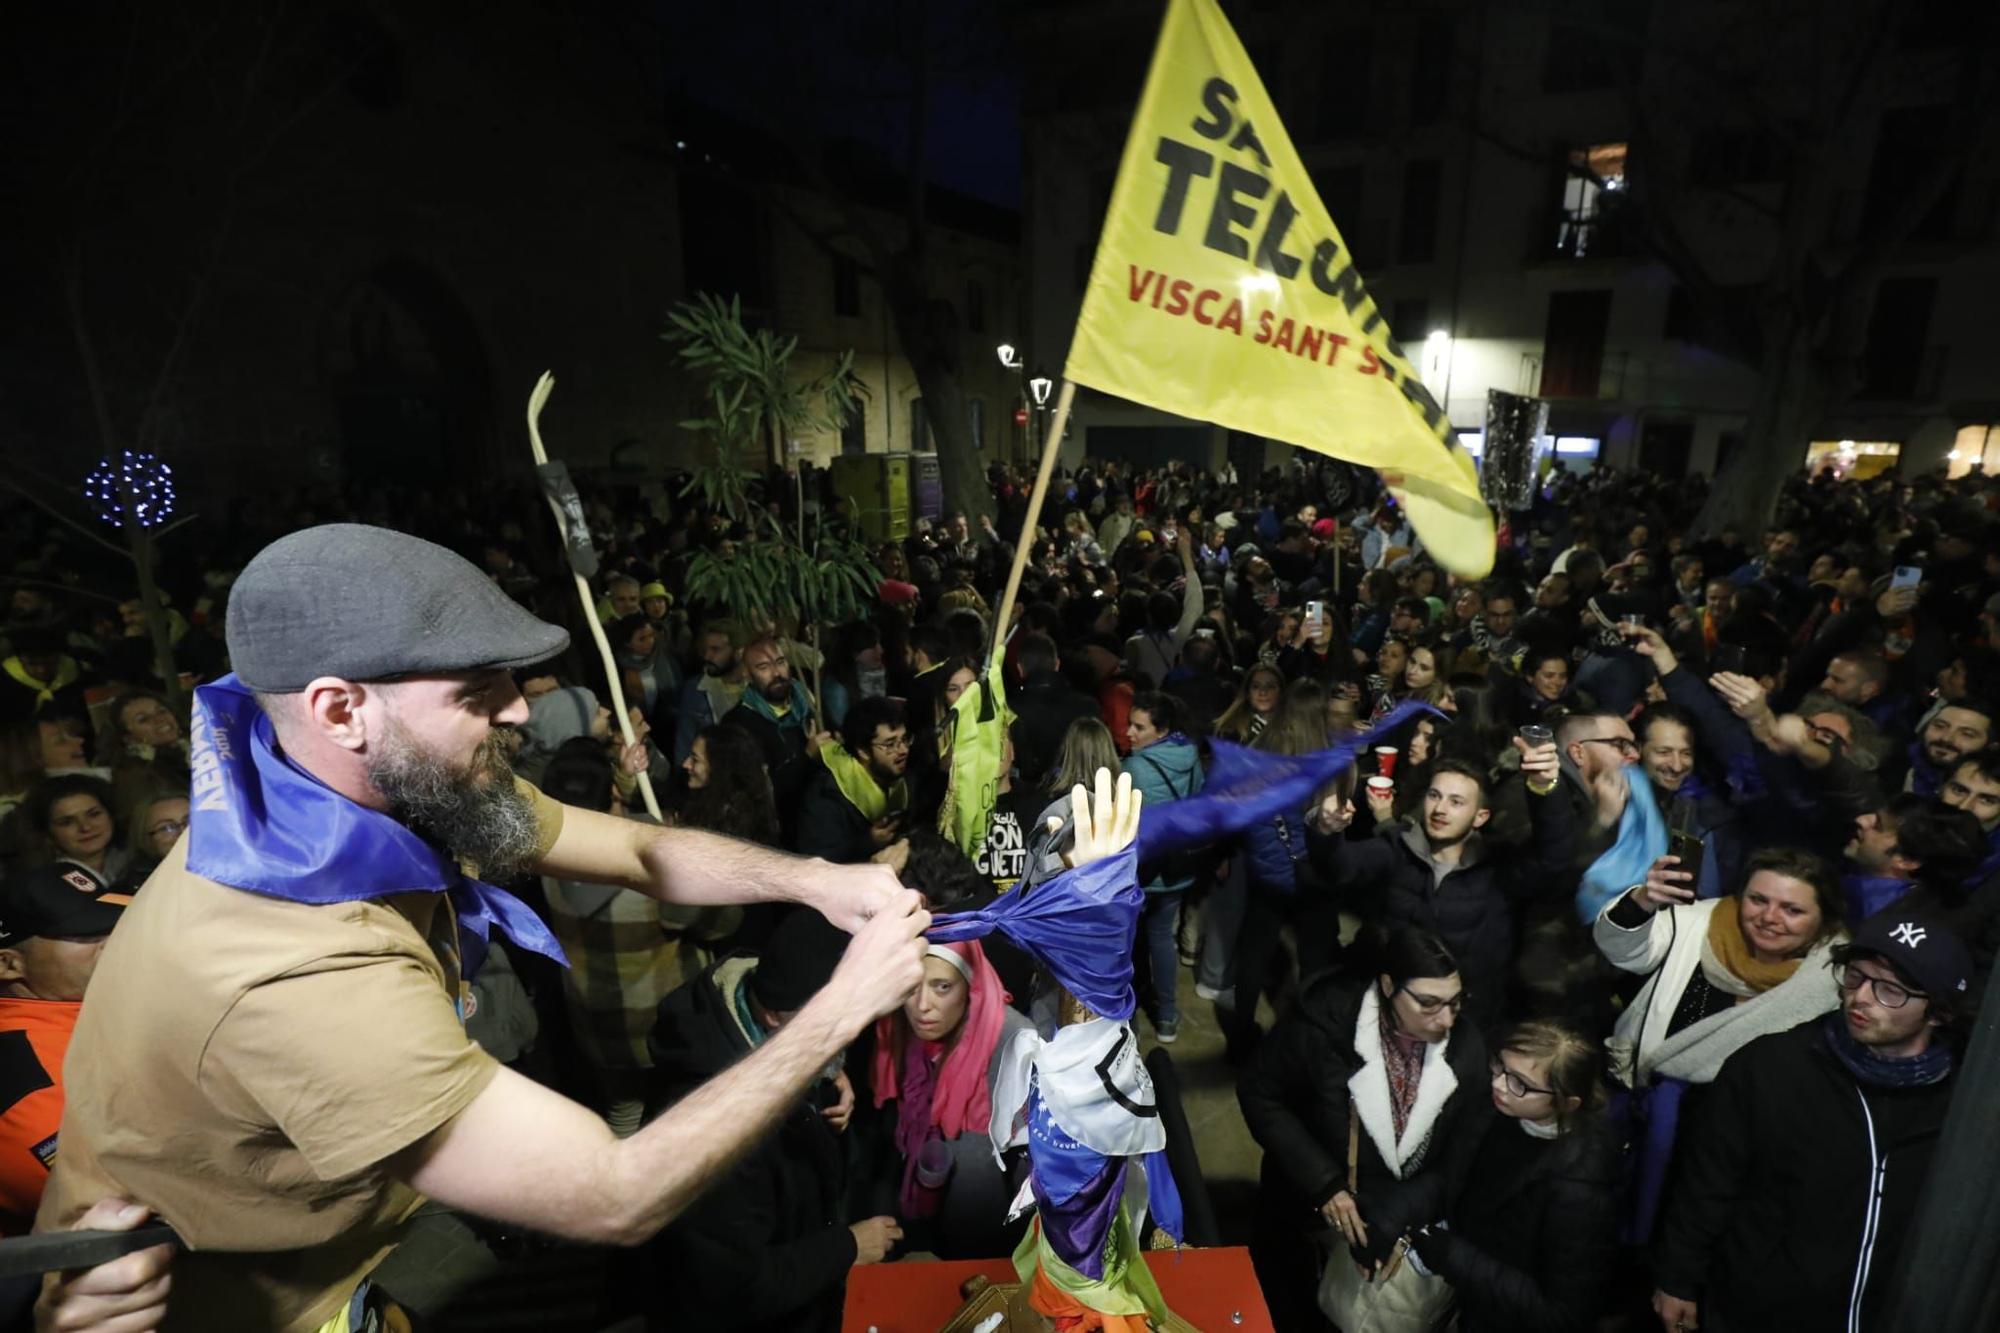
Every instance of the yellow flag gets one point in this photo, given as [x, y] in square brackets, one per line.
[1222, 291]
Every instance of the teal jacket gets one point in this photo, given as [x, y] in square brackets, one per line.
[1168, 770]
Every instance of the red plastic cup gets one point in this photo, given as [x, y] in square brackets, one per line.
[1385, 760]
[1381, 786]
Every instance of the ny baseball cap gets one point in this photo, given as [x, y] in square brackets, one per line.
[62, 900]
[366, 603]
[1925, 950]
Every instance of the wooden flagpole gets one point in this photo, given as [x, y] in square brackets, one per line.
[536, 401]
[1051, 446]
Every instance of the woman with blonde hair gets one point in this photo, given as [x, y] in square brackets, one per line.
[1529, 1239]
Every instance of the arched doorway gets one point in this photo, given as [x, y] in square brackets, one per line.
[410, 378]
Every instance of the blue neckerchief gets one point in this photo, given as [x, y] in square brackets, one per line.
[1878, 1071]
[1868, 894]
[264, 825]
[1989, 865]
[1925, 779]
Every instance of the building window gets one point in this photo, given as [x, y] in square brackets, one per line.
[920, 428]
[854, 430]
[1423, 185]
[975, 306]
[1724, 155]
[1340, 189]
[1573, 345]
[1893, 358]
[975, 419]
[1592, 186]
[846, 287]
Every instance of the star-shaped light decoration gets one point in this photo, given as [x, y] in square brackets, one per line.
[136, 488]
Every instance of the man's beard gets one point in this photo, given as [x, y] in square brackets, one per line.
[475, 811]
[778, 691]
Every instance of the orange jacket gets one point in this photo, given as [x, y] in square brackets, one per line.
[34, 1037]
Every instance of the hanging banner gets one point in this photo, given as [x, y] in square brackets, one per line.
[1222, 291]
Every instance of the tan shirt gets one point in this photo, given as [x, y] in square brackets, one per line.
[245, 1064]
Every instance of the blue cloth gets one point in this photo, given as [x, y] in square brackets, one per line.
[262, 824]
[1926, 779]
[1079, 925]
[1642, 840]
[1868, 894]
[1649, 1119]
[1247, 786]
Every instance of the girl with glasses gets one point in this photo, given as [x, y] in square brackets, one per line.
[1528, 1241]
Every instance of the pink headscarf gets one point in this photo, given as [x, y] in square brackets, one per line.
[936, 1097]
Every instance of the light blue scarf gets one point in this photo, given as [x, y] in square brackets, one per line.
[1642, 840]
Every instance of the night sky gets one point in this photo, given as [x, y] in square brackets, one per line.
[844, 69]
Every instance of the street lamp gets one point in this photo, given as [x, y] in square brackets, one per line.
[1009, 357]
[1040, 386]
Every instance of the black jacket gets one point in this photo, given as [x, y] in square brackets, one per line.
[829, 825]
[785, 758]
[1295, 1101]
[1389, 882]
[1043, 710]
[1533, 1230]
[767, 1246]
[1795, 1187]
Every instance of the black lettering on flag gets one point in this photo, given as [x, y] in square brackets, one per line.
[1344, 283]
[1271, 246]
[1217, 98]
[1229, 209]
[1181, 161]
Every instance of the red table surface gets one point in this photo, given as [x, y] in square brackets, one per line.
[1204, 1287]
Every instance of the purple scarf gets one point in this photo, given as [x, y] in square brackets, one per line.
[262, 824]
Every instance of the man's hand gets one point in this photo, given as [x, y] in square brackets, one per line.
[127, 1295]
[1345, 1216]
[1610, 790]
[815, 738]
[1746, 698]
[1184, 543]
[883, 963]
[1665, 885]
[1106, 826]
[1676, 1315]
[849, 896]
[1540, 764]
[885, 830]
[1894, 603]
[1381, 803]
[841, 1112]
[895, 856]
[874, 1239]
[1648, 643]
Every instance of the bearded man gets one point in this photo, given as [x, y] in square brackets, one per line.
[273, 1058]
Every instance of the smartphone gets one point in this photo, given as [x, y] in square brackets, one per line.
[1688, 848]
[1728, 657]
[1315, 617]
[1906, 576]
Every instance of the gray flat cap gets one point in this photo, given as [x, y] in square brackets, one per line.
[363, 603]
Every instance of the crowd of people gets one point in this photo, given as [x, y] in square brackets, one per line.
[1693, 850]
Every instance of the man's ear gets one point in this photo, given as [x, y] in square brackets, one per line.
[330, 708]
[1485, 813]
[13, 967]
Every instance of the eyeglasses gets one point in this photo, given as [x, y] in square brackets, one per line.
[1430, 1004]
[892, 746]
[1625, 744]
[1888, 994]
[1516, 1085]
[167, 828]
